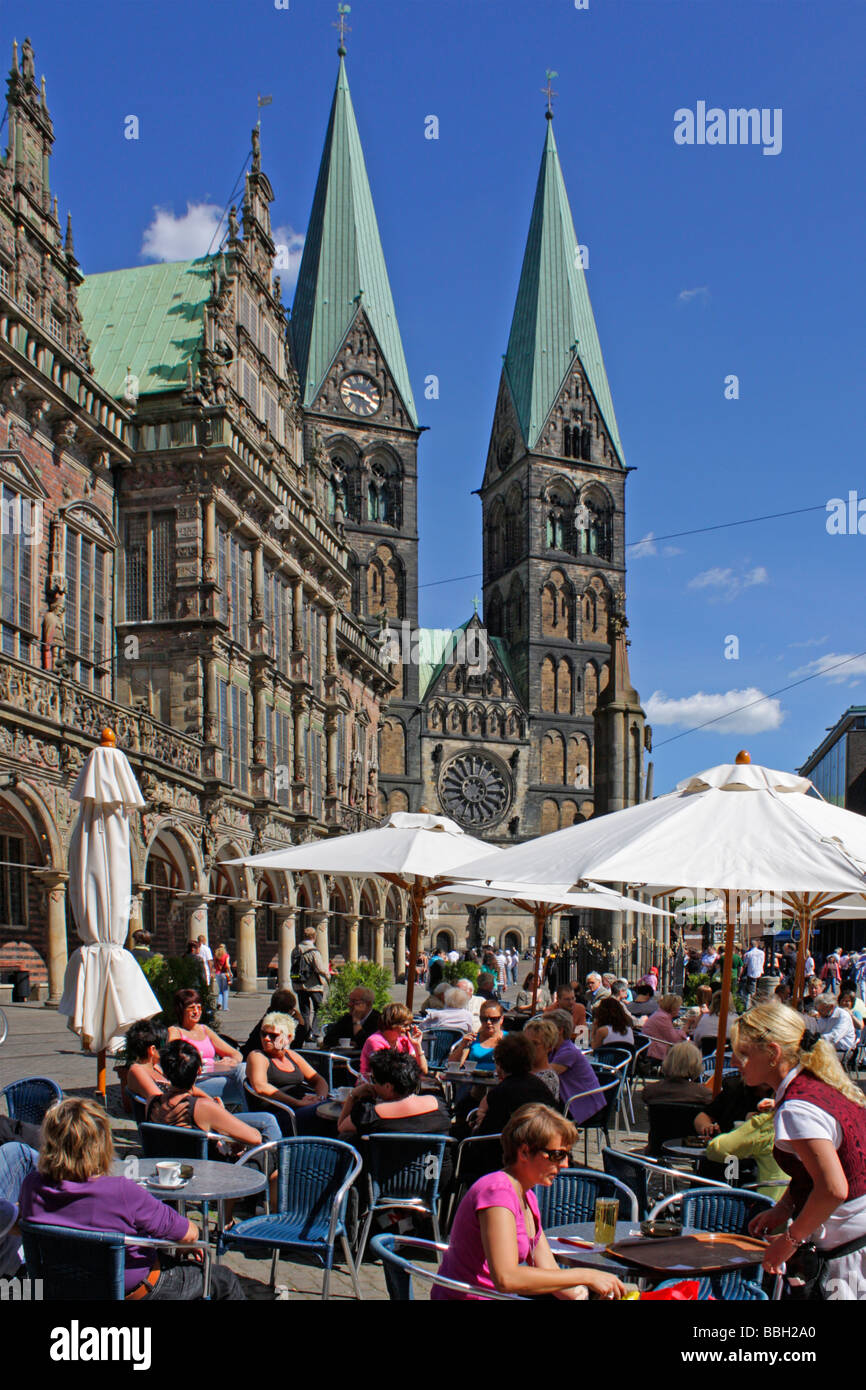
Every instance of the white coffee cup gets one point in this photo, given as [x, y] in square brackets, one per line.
[344, 1042]
[168, 1173]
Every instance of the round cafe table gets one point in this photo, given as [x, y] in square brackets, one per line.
[678, 1148]
[592, 1258]
[330, 1110]
[211, 1180]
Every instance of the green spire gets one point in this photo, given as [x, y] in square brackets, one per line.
[553, 321]
[343, 266]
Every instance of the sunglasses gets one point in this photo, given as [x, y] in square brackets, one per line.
[265, 1033]
[490, 1018]
[555, 1155]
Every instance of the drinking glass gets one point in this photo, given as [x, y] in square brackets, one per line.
[606, 1213]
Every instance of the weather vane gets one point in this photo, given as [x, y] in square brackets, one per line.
[549, 92]
[344, 28]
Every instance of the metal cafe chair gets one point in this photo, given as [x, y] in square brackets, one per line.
[386, 1247]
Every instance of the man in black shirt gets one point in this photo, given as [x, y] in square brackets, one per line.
[358, 1024]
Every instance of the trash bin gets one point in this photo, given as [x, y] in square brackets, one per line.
[20, 986]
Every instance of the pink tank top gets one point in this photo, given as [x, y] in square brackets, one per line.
[203, 1046]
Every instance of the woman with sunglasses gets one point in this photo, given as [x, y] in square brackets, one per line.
[496, 1241]
[398, 1032]
[287, 1076]
[477, 1048]
[228, 1084]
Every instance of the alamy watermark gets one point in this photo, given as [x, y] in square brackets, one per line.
[846, 518]
[737, 126]
[19, 516]
[21, 1291]
[403, 644]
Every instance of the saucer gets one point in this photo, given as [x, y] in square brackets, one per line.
[166, 1186]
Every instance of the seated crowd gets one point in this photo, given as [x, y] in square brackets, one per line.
[524, 1078]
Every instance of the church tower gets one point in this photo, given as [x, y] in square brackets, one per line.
[553, 500]
[361, 428]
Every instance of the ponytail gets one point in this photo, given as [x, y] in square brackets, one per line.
[822, 1062]
[775, 1023]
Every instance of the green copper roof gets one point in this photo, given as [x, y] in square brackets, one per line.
[553, 320]
[342, 257]
[436, 644]
[149, 320]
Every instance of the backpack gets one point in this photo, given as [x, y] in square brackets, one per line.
[304, 972]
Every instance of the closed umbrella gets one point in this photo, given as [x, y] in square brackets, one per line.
[544, 901]
[104, 990]
[734, 828]
[417, 852]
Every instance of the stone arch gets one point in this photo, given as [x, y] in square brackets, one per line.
[384, 470]
[603, 677]
[27, 804]
[557, 606]
[346, 460]
[514, 537]
[495, 537]
[493, 614]
[398, 801]
[385, 583]
[579, 761]
[444, 938]
[553, 758]
[511, 937]
[595, 609]
[548, 685]
[23, 907]
[595, 536]
[568, 814]
[563, 686]
[515, 611]
[549, 816]
[586, 809]
[435, 716]
[392, 759]
[559, 500]
[590, 688]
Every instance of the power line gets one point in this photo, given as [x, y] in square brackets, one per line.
[763, 699]
[650, 538]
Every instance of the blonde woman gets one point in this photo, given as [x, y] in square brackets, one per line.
[287, 1076]
[544, 1036]
[820, 1131]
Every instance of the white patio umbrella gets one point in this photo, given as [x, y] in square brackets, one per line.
[735, 828]
[416, 852]
[544, 901]
[104, 990]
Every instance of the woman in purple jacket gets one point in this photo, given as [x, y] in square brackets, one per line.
[575, 1074]
[73, 1187]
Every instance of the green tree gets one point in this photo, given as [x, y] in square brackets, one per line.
[453, 971]
[351, 975]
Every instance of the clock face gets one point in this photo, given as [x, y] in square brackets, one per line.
[360, 394]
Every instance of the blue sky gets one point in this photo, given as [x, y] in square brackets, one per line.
[704, 261]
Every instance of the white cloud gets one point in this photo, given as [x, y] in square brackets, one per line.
[669, 550]
[747, 711]
[290, 248]
[171, 238]
[727, 583]
[809, 642]
[686, 296]
[849, 673]
[639, 550]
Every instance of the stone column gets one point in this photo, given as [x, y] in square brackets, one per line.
[331, 654]
[319, 919]
[246, 947]
[378, 925]
[209, 566]
[211, 702]
[286, 916]
[299, 711]
[351, 920]
[400, 952]
[54, 884]
[196, 923]
[298, 615]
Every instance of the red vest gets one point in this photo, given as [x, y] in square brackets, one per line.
[852, 1150]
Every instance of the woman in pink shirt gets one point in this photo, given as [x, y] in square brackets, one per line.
[398, 1031]
[496, 1241]
[660, 1027]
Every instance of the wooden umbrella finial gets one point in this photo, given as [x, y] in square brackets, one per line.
[743, 757]
[109, 738]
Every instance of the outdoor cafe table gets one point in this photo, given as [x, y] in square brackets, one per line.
[694, 1254]
[211, 1180]
[678, 1148]
[592, 1258]
[330, 1110]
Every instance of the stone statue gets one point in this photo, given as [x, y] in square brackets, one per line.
[353, 784]
[234, 227]
[28, 70]
[53, 627]
[257, 150]
[372, 792]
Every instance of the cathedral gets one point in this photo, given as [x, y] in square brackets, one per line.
[209, 544]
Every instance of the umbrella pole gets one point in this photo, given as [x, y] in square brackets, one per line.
[540, 918]
[805, 919]
[724, 1008]
[100, 1073]
[417, 896]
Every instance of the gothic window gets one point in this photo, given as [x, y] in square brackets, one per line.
[474, 790]
[494, 616]
[549, 817]
[278, 617]
[385, 492]
[234, 734]
[235, 579]
[553, 758]
[249, 386]
[150, 560]
[578, 761]
[248, 315]
[563, 687]
[13, 900]
[594, 521]
[17, 537]
[556, 607]
[392, 760]
[590, 688]
[384, 585]
[496, 538]
[314, 636]
[548, 685]
[596, 607]
[513, 527]
[398, 801]
[272, 414]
